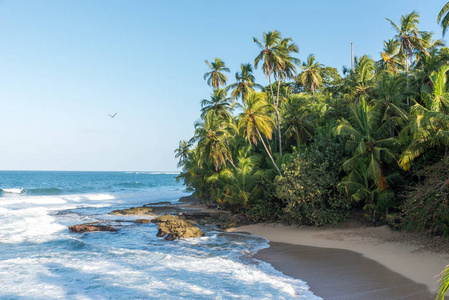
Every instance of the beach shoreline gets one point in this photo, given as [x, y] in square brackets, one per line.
[357, 262]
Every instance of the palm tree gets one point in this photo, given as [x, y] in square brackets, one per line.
[310, 77]
[430, 125]
[245, 82]
[358, 186]
[212, 135]
[410, 38]
[444, 20]
[272, 58]
[444, 280]
[391, 58]
[359, 81]
[269, 54]
[285, 68]
[368, 139]
[242, 185]
[215, 77]
[389, 97]
[254, 122]
[219, 104]
[298, 120]
[183, 152]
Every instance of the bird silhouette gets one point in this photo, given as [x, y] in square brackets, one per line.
[112, 116]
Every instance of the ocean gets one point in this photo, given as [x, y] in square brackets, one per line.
[41, 259]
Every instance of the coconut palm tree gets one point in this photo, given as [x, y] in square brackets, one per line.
[254, 122]
[368, 139]
[219, 104]
[389, 97]
[271, 56]
[430, 125]
[359, 81]
[444, 280]
[183, 152]
[358, 186]
[391, 58]
[310, 77]
[212, 135]
[242, 185]
[443, 17]
[298, 120]
[284, 69]
[409, 38]
[215, 77]
[245, 82]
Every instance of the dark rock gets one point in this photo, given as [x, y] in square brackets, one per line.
[81, 228]
[133, 211]
[147, 210]
[165, 203]
[143, 221]
[188, 199]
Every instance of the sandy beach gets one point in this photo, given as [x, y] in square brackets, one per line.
[355, 262]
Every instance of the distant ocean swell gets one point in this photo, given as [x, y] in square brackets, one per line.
[43, 191]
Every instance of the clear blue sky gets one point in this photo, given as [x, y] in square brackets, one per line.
[65, 65]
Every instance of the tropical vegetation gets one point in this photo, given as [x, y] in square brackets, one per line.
[315, 146]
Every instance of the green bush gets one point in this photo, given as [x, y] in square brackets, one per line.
[308, 185]
[426, 207]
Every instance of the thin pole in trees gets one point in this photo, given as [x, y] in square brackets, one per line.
[352, 56]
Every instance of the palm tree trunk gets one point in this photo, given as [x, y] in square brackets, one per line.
[235, 168]
[406, 78]
[276, 105]
[268, 152]
[272, 97]
[313, 94]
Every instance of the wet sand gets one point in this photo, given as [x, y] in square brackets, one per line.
[341, 274]
[354, 263]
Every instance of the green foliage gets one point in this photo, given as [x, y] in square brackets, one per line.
[308, 184]
[443, 284]
[427, 203]
[378, 112]
[215, 77]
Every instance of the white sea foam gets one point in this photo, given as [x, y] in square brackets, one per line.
[40, 259]
[13, 191]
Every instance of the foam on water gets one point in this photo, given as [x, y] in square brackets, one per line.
[12, 191]
[40, 259]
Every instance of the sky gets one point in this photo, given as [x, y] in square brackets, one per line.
[65, 65]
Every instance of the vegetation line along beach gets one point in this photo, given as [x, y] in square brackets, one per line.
[316, 147]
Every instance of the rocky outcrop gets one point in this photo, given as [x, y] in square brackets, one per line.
[89, 227]
[221, 219]
[152, 209]
[174, 227]
[134, 211]
[189, 199]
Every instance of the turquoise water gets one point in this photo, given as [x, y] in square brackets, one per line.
[41, 259]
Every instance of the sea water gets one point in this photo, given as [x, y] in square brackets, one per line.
[41, 259]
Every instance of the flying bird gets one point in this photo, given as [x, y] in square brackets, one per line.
[112, 116]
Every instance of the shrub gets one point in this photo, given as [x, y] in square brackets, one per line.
[426, 207]
[308, 185]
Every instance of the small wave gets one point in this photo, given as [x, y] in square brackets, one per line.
[130, 184]
[48, 191]
[12, 191]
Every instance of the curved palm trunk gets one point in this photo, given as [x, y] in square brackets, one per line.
[276, 105]
[232, 163]
[268, 152]
[272, 97]
[406, 77]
